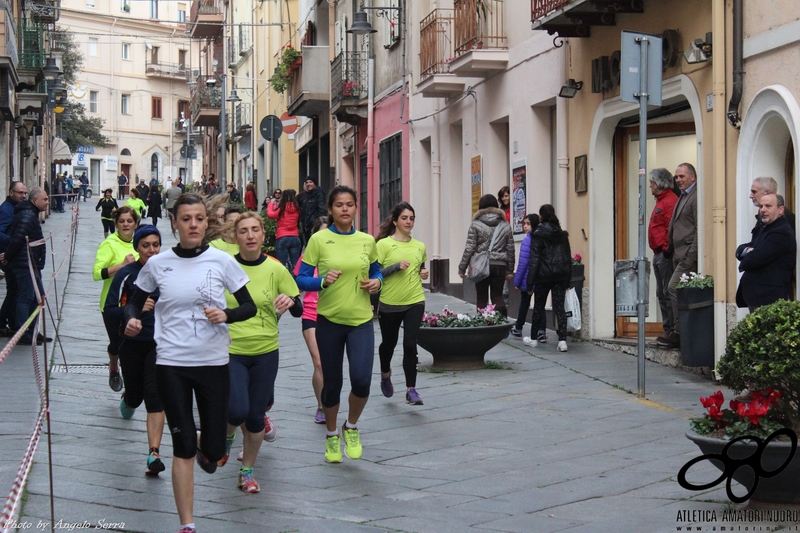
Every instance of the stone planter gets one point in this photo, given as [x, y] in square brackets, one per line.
[696, 320]
[461, 348]
[783, 488]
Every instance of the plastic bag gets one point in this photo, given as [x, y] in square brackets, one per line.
[572, 307]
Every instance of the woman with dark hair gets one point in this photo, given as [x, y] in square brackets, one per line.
[154, 204]
[136, 203]
[349, 272]
[488, 222]
[287, 235]
[549, 271]
[191, 331]
[107, 205]
[115, 252]
[402, 300]
[529, 225]
[504, 201]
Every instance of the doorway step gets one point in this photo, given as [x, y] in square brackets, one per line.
[652, 352]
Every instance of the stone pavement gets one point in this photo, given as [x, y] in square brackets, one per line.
[547, 442]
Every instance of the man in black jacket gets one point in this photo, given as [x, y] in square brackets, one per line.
[313, 205]
[769, 259]
[26, 225]
[8, 312]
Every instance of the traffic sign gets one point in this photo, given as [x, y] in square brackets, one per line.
[289, 123]
[271, 128]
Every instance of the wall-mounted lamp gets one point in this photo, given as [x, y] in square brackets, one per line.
[570, 89]
[233, 97]
[51, 70]
[699, 50]
[361, 25]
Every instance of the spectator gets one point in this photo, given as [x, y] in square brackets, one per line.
[529, 225]
[154, 204]
[153, 182]
[8, 321]
[313, 206]
[661, 183]
[233, 193]
[122, 181]
[250, 199]
[143, 190]
[287, 243]
[759, 188]
[70, 187]
[84, 185]
[181, 186]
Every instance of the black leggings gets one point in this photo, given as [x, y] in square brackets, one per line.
[138, 360]
[496, 281]
[539, 300]
[211, 386]
[411, 319]
[108, 225]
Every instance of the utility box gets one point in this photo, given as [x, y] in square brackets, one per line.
[626, 273]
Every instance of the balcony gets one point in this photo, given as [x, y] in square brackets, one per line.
[45, 11]
[165, 70]
[481, 46]
[9, 58]
[207, 19]
[239, 46]
[574, 18]
[205, 106]
[349, 86]
[242, 119]
[31, 54]
[309, 91]
[436, 52]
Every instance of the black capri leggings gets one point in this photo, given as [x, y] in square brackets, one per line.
[211, 386]
[411, 319]
[108, 225]
[138, 360]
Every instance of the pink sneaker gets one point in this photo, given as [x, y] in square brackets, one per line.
[270, 431]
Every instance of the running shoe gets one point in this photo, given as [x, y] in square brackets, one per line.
[270, 431]
[228, 443]
[115, 380]
[241, 455]
[124, 410]
[386, 387]
[412, 397]
[333, 451]
[246, 481]
[542, 337]
[204, 463]
[562, 346]
[352, 442]
[530, 342]
[515, 332]
[319, 418]
[187, 530]
[154, 463]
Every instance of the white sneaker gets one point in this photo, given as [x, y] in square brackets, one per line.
[533, 343]
[562, 346]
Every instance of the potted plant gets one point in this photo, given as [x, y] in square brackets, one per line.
[696, 319]
[283, 71]
[761, 357]
[459, 341]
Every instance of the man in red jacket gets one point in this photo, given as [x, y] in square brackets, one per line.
[661, 183]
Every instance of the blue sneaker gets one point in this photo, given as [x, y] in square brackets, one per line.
[386, 387]
[412, 397]
[154, 463]
[124, 410]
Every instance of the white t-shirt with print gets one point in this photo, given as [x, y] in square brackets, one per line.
[183, 334]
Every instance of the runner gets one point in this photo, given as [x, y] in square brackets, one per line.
[115, 252]
[254, 344]
[349, 273]
[402, 299]
[136, 203]
[223, 231]
[137, 354]
[192, 336]
[107, 205]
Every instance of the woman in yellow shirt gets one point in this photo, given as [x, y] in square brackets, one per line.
[136, 203]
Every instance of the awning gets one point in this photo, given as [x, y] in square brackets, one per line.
[61, 153]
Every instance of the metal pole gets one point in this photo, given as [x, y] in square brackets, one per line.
[641, 261]
[223, 119]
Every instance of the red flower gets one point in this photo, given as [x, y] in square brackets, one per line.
[714, 413]
[716, 399]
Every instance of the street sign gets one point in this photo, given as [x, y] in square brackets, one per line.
[289, 123]
[629, 68]
[271, 128]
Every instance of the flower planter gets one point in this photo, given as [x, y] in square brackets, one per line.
[461, 348]
[696, 323]
[783, 488]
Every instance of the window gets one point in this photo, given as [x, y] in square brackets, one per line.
[126, 104]
[89, 3]
[126, 51]
[125, 6]
[93, 101]
[182, 59]
[93, 46]
[181, 12]
[153, 9]
[156, 107]
[154, 55]
[391, 165]
[154, 166]
[183, 109]
[125, 151]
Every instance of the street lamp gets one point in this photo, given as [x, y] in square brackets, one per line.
[361, 25]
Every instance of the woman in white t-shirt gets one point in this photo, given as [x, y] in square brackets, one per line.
[191, 333]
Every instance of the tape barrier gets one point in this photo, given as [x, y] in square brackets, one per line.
[10, 513]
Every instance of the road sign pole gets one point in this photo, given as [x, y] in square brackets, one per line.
[642, 296]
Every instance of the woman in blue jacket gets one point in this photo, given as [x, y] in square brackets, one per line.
[529, 224]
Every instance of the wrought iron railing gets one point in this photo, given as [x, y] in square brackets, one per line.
[479, 24]
[205, 97]
[349, 77]
[243, 117]
[205, 7]
[239, 44]
[165, 70]
[436, 43]
[45, 10]
[31, 44]
[541, 8]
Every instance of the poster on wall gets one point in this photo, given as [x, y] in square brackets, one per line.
[519, 207]
[476, 178]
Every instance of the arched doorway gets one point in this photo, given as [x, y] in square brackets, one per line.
[154, 167]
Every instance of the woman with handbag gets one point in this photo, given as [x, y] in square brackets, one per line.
[549, 271]
[489, 237]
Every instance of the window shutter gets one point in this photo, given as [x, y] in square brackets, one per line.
[337, 43]
[391, 24]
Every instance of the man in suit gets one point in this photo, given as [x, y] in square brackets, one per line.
[682, 240]
[767, 262]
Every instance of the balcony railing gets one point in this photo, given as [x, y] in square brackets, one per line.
[207, 18]
[479, 24]
[165, 70]
[242, 118]
[349, 78]
[435, 43]
[238, 45]
[31, 45]
[540, 8]
[205, 98]
[45, 10]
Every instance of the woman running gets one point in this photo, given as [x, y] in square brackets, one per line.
[254, 344]
[221, 235]
[309, 319]
[192, 337]
[107, 205]
[115, 252]
[137, 354]
[349, 272]
[136, 203]
[287, 235]
[402, 299]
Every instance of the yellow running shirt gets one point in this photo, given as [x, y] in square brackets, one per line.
[404, 287]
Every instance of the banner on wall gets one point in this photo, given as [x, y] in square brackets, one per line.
[519, 173]
[476, 178]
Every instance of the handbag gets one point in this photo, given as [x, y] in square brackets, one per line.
[478, 269]
[572, 308]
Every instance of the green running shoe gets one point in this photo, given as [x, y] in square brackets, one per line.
[124, 410]
[333, 451]
[154, 463]
[352, 442]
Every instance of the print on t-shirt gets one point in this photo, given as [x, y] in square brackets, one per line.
[267, 307]
[198, 310]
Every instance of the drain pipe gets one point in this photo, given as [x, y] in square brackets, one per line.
[738, 72]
